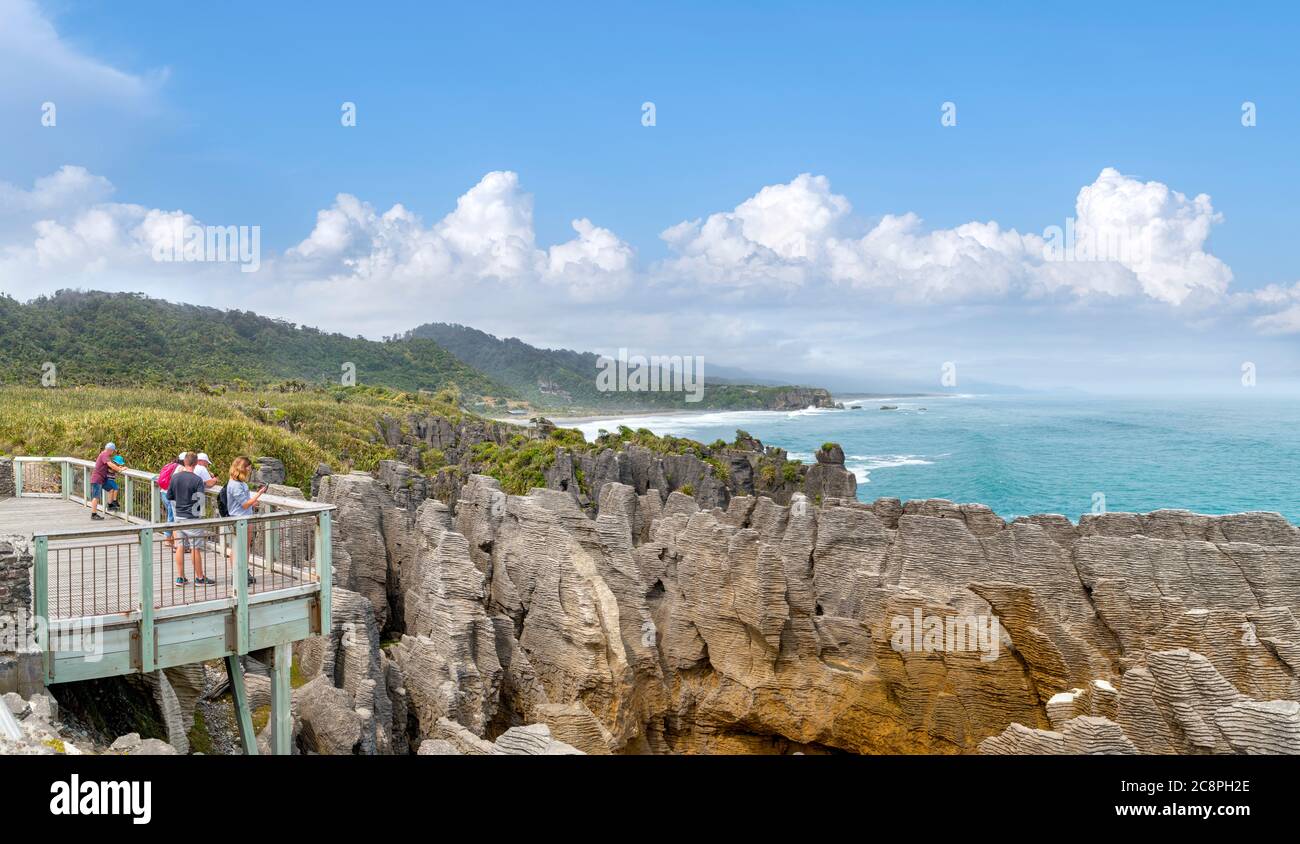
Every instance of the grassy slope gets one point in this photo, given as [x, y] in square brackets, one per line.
[127, 339]
[338, 426]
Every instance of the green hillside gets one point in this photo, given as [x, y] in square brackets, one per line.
[125, 338]
[565, 379]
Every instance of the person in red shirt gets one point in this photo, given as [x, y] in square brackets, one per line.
[100, 480]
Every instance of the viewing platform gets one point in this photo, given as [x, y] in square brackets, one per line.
[104, 597]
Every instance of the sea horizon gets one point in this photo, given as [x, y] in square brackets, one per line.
[1030, 454]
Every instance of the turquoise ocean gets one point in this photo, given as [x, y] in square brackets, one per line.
[1038, 454]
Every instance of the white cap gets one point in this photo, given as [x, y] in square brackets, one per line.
[203, 458]
[110, 447]
[181, 457]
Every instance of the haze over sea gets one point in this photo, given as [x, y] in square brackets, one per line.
[1022, 455]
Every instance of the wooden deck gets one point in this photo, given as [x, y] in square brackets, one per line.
[27, 516]
[105, 601]
[97, 576]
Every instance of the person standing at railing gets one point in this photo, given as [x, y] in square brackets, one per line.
[205, 473]
[164, 480]
[115, 468]
[186, 492]
[240, 503]
[100, 480]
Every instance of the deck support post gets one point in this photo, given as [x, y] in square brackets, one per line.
[18, 479]
[281, 699]
[270, 542]
[147, 655]
[324, 570]
[243, 714]
[241, 586]
[65, 479]
[41, 603]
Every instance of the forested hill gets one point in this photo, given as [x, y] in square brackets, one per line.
[126, 338]
[560, 378]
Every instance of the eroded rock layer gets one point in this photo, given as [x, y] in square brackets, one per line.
[661, 626]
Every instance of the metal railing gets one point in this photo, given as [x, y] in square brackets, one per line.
[130, 572]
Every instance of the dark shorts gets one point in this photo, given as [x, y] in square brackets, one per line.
[97, 490]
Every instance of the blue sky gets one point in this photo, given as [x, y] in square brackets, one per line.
[233, 118]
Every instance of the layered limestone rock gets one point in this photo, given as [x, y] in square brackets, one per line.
[351, 658]
[436, 455]
[660, 625]
[532, 740]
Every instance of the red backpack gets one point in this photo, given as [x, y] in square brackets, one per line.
[165, 476]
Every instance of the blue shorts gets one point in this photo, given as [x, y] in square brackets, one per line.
[97, 490]
[170, 507]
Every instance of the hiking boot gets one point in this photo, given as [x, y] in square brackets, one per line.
[97, 517]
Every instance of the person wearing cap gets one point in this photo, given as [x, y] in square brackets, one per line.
[99, 479]
[201, 469]
[186, 492]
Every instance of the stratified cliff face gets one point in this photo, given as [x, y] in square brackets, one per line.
[658, 626]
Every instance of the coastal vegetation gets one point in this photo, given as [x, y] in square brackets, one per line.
[76, 338]
[300, 425]
[119, 339]
[303, 426]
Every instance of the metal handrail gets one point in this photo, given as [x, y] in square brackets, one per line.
[102, 532]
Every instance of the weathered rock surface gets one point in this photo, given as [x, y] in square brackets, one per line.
[661, 625]
[31, 727]
[436, 455]
[531, 740]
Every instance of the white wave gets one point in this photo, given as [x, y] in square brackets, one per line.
[862, 465]
[889, 461]
[677, 424]
[810, 410]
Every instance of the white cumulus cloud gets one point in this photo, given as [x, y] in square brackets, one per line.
[1150, 241]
